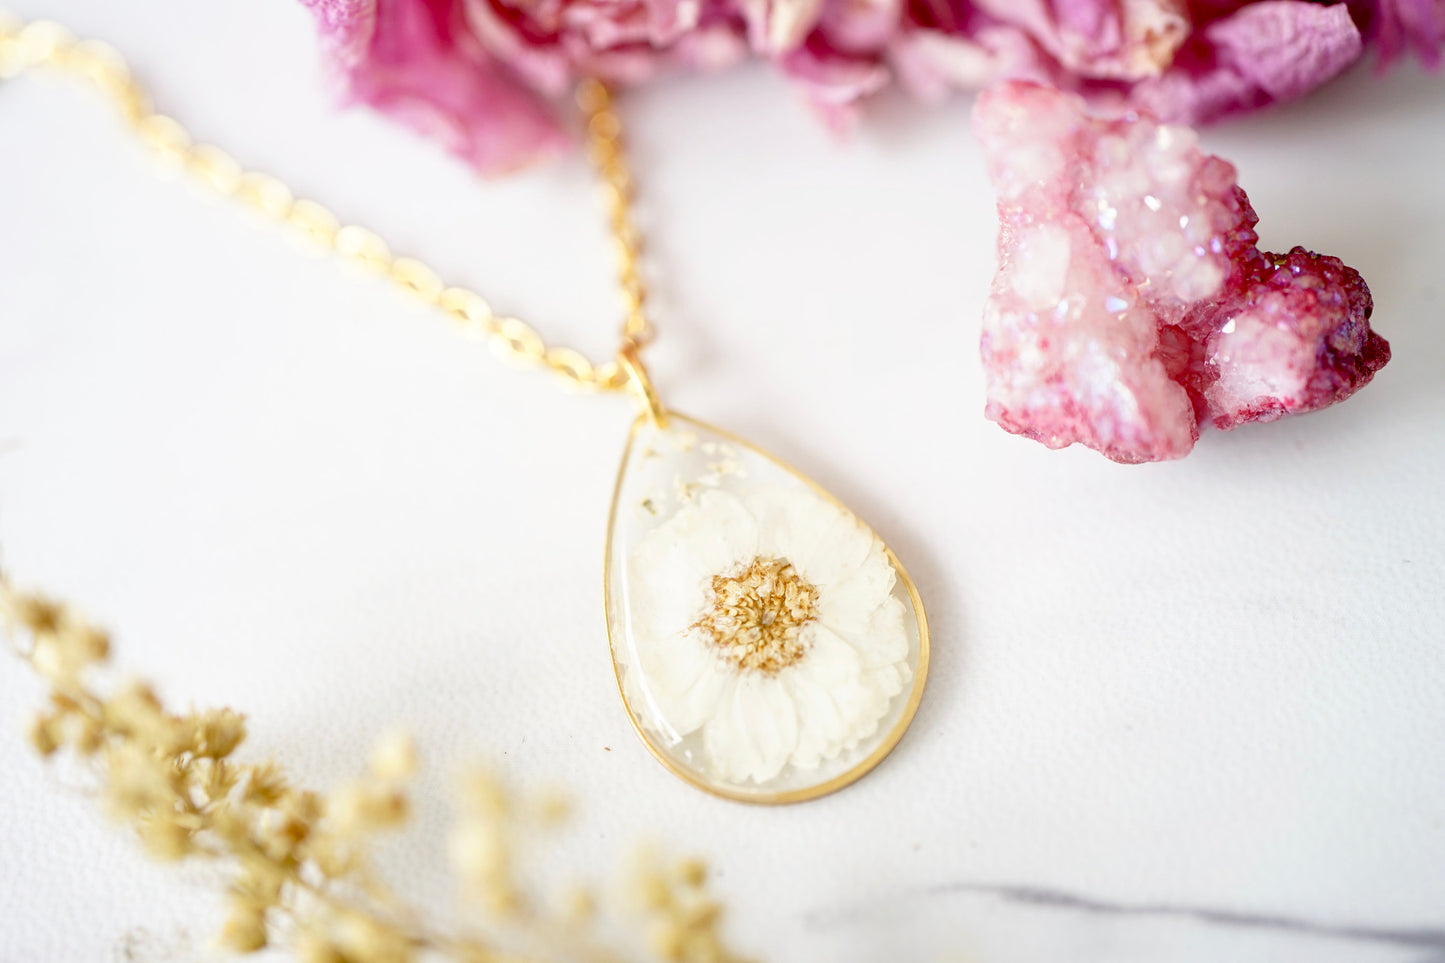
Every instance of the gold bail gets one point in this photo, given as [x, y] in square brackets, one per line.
[641, 385]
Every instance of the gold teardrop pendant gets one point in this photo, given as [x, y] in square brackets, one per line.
[769, 647]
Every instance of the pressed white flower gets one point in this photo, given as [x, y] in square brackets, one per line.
[766, 622]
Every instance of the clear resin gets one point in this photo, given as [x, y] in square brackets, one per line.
[768, 645]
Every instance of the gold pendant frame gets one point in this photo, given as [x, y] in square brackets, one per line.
[920, 674]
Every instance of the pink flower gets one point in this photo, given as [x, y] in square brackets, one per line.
[549, 45]
[486, 76]
[1399, 26]
[418, 61]
[1186, 63]
[1275, 50]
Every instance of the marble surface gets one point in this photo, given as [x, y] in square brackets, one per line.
[1179, 712]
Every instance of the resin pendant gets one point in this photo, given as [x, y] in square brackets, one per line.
[768, 646]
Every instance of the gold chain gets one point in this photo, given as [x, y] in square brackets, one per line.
[604, 147]
[24, 46]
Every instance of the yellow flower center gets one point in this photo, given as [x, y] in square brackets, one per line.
[758, 613]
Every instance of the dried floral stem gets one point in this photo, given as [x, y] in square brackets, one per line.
[298, 862]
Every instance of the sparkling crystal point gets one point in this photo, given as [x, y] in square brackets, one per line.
[1132, 303]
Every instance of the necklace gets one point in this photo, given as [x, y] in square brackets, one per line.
[767, 645]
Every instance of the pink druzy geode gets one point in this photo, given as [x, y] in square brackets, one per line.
[1131, 302]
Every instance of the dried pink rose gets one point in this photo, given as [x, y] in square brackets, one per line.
[1185, 63]
[486, 76]
[417, 61]
[1400, 26]
[1131, 302]
[1262, 53]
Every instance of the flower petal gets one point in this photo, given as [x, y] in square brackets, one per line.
[1287, 47]
[720, 531]
[755, 730]
[889, 679]
[667, 586]
[1399, 26]
[1274, 50]
[822, 541]
[824, 686]
[863, 700]
[685, 680]
[848, 604]
[881, 638]
[670, 572]
[416, 61]
[835, 83]
[1121, 40]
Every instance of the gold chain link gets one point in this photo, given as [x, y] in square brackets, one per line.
[604, 147]
[24, 46]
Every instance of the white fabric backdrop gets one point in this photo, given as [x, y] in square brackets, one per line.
[1178, 712]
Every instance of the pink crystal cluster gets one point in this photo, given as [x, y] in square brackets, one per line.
[1131, 302]
[487, 76]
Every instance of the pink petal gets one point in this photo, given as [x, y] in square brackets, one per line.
[1399, 26]
[1264, 52]
[931, 63]
[834, 83]
[416, 61]
[1119, 39]
[1287, 48]
[861, 26]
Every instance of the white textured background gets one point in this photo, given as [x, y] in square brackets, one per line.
[1182, 712]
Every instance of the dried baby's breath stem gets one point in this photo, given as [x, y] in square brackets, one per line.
[298, 862]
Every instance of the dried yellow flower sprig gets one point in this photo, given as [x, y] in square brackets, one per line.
[299, 862]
